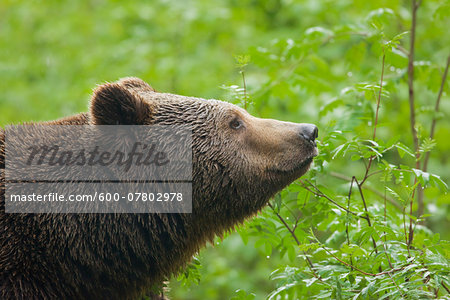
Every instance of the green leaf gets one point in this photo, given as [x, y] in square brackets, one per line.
[355, 157]
[318, 33]
[330, 106]
[242, 295]
[338, 288]
[291, 253]
[242, 60]
[402, 150]
[379, 18]
[436, 238]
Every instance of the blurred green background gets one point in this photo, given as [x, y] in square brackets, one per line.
[53, 53]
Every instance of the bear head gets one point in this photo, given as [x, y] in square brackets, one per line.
[239, 161]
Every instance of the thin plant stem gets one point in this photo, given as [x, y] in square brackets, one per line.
[420, 210]
[319, 193]
[415, 6]
[376, 119]
[348, 219]
[436, 110]
[292, 232]
[396, 285]
[411, 76]
[379, 98]
[445, 287]
[373, 190]
[245, 89]
[367, 213]
[411, 229]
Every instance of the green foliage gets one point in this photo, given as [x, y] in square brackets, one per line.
[191, 274]
[368, 221]
[361, 243]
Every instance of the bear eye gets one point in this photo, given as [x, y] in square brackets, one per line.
[236, 124]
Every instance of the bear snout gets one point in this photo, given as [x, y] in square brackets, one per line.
[308, 132]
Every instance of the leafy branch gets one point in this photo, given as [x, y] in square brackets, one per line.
[389, 269]
[292, 232]
[356, 268]
[242, 62]
[318, 193]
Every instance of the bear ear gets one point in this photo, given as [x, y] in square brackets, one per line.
[134, 83]
[113, 104]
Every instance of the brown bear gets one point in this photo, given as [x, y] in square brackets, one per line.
[238, 163]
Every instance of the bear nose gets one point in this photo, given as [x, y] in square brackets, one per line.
[309, 132]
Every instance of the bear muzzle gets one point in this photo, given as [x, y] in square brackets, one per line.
[309, 133]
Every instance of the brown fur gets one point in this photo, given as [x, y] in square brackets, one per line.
[120, 256]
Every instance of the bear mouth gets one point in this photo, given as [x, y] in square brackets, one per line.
[303, 167]
[295, 170]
